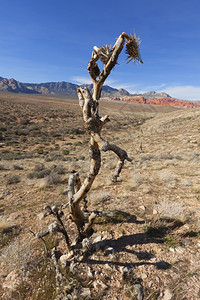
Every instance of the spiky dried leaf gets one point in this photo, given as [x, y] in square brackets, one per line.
[105, 53]
[132, 49]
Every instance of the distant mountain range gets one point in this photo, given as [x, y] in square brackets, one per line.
[53, 88]
[64, 89]
[68, 89]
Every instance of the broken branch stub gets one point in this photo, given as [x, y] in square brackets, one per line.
[93, 124]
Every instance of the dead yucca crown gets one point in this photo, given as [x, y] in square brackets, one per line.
[132, 49]
[105, 54]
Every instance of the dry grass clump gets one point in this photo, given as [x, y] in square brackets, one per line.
[186, 182]
[13, 179]
[17, 167]
[16, 255]
[196, 188]
[39, 174]
[166, 176]
[52, 173]
[7, 232]
[172, 210]
[136, 179]
[3, 167]
[48, 181]
[59, 169]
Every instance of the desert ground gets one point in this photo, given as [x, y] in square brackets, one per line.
[146, 243]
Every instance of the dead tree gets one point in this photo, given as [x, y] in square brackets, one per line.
[93, 125]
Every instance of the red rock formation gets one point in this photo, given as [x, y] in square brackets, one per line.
[166, 101]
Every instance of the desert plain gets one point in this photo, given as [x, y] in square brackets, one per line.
[146, 243]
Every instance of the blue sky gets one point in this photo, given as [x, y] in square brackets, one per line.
[44, 41]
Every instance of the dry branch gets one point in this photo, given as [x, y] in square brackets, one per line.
[93, 124]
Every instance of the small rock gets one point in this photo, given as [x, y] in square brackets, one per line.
[186, 227]
[142, 207]
[123, 270]
[157, 279]
[86, 294]
[139, 291]
[72, 266]
[167, 295]
[171, 249]
[41, 216]
[89, 274]
[64, 259]
[179, 249]
[184, 242]
[143, 275]
[150, 284]
[153, 259]
[103, 285]
[155, 212]
[108, 267]
[86, 244]
[109, 250]
[97, 239]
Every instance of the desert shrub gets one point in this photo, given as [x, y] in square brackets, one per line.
[55, 156]
[196, 188]
[20, 131]
[40, 151]
[65, 151]
[77, 143]
[3, 167]
[13, 179]
[59, 169]
[7, 232]
[3, 128]
[147, 157]
[43, 173]
[195, 156]
[172, 210]
[166, 176]
[186, 182]
[136, 179]
[17, 167]
[39, 174]
[54, 179]
[16, 255]
[49, 181]
[57, 146]
[39, 167]
[113, 217]
[24, 121]
[22, 139]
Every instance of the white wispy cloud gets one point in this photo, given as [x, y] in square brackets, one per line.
[88, 80]
[82, 79]
[186, 92]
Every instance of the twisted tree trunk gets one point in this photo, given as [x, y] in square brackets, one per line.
[93, 125]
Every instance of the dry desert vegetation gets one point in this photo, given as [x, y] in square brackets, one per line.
[146, 239]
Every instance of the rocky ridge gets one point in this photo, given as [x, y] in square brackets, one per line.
[68, 89]
[164, 101]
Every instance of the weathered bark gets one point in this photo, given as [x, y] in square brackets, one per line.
[93, 124]
[77, 192]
